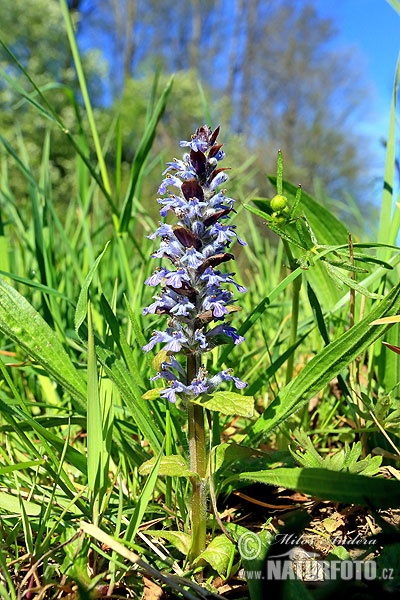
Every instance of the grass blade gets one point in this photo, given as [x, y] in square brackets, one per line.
[327, 364]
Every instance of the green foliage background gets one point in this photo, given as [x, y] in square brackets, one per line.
[85, 459]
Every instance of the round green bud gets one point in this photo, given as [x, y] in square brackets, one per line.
[278, 203]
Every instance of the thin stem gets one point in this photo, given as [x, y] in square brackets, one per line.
[198, 465]
[295, 310]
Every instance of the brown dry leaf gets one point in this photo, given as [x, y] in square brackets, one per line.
[152, 591]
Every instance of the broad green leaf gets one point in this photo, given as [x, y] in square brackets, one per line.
[225, 454]
[332, 485]
[173, 466]
[327, 364]
[20, 322]
[218, 554]
[180, 540]
[253, 548]
[228, 403]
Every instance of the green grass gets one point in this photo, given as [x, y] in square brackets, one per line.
[79, 501]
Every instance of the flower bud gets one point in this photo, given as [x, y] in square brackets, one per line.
[279, 203]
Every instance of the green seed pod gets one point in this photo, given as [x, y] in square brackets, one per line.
[279, 203]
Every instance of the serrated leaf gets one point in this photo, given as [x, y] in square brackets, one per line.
[351, 283]
[20, 322]
[332, 485]
[180, 540]
[173, 466]
[218, 554]
[228, 403]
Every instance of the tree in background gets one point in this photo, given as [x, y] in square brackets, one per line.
[270, 70]
[286, 83]
[35, 33]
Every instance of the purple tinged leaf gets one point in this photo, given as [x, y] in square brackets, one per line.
[213, 261]
[217, 215]
[214, 136]
[198, 160]
[192, 189]
[186, 237]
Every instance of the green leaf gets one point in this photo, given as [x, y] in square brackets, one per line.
[153, 394]
[326, 227]
[131, 395]
[14, 415]
[20, 322]
[327, 364]
[219, 554]
[82, 304]
[173, 465]
[225, 454]
[253, 548]
[260, 309]
[142, 154]
[145, 496]
[180, 540]
[351, 283]
[94, 414]
[332, 485]
[228, 403]
[21, 466]
[12, 505]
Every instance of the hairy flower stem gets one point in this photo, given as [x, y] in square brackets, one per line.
[198, 465]
[295, 310]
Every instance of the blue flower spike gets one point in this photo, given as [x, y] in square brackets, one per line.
[192, 292]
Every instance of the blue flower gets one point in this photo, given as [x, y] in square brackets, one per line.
[193, 293]
[157, 277]
[170, 393]
[227, 330]
[226, 376]
[192, 258]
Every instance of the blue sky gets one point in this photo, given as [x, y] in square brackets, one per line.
[372, 27]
